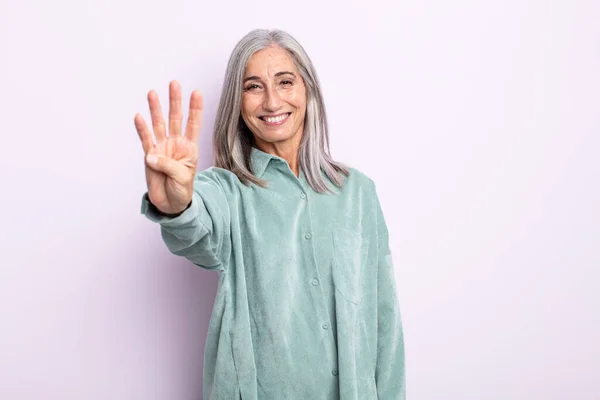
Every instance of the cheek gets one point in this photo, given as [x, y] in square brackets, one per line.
[298, 99]
[247, 107]
[300, 104]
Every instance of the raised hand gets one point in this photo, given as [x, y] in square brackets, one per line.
[171, 162]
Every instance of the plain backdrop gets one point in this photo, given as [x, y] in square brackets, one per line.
[478, 120]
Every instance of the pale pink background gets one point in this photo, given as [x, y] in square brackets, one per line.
[479, 121]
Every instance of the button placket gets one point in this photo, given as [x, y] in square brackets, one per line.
[321, 311]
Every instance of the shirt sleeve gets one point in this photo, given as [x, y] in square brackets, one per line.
[200, 233]
[390, 375]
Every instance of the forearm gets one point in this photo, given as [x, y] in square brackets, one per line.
[390, 372]
[390, 375]
[200, 232]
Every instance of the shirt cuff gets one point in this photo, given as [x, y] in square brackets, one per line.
[152, 213]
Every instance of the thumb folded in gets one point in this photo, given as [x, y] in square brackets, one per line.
[165, 165]
[159, 163]
[152, 159]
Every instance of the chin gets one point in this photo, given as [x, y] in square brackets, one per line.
[275, 136]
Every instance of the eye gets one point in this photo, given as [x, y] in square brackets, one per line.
[287, 82]
[252, 87]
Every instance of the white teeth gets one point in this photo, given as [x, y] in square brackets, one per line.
[276, 119]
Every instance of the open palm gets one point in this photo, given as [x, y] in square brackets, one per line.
[171, 163]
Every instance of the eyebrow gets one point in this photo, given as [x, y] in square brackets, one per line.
[256, 78]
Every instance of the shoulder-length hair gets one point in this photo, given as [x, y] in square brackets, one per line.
[233, 140]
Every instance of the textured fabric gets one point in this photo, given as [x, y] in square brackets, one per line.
[306, 306]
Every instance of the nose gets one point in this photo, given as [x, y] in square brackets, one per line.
[272, 101]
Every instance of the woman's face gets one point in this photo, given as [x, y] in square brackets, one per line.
[274, 97]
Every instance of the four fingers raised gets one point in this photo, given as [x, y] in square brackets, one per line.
[175, 117]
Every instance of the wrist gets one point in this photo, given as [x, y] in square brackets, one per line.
[175, 214]
[182, 211]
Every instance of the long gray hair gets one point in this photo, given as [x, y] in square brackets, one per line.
[233, 140]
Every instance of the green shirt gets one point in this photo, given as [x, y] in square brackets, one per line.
[306, 306]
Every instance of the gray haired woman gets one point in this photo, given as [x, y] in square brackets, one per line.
[306, 306]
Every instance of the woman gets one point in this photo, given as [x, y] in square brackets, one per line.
[306, 306]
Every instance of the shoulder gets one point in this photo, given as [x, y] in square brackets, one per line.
[360, 180]
[363, 187]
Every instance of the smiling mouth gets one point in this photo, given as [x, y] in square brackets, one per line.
[275, 120]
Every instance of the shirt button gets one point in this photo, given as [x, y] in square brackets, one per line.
[325, 325]
[303, 195]
[308, 236]
[334, 372]
[314, 282]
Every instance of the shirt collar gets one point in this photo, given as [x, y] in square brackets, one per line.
[259, 161]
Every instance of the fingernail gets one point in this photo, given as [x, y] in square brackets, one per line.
[152, 159]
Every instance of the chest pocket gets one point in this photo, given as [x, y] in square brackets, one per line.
[349, 256]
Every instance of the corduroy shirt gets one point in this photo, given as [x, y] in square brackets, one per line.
[306, 306]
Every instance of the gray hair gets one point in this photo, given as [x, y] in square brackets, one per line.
[233, 140]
